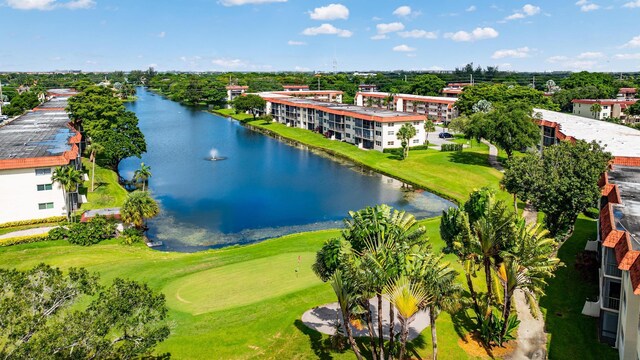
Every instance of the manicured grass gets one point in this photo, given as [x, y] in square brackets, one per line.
[108, 192]
[573, 335]
[450, 174]
[238, 302]
[232, 113]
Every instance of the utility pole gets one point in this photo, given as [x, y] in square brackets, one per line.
[471, 79]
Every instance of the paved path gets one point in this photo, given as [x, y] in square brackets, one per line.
[493, 155]
[34, 231]
[322, 319]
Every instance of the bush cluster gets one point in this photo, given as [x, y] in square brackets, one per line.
[48, 220]
[451, 147]
[27, 239]
[85, 234]
[131, 236]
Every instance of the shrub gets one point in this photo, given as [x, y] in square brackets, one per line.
[451, 147]
[131, 236]
[49, 220]
[592, 213]
[92, 232]
[23, 239]
[59, 233]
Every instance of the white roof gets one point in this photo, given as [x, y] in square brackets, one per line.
[620, 140]
[435, 98]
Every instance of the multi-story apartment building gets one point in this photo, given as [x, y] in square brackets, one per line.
[31, 146]
[453, 90]
[609, 108]
[233, 91]
[334, 96]
[367, 88]
[367, 128]
[295, 87]
[627, 93]
[436, 108]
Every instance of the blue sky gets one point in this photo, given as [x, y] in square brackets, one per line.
[270, 35]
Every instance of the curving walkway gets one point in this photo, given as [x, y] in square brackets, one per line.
[27, 232]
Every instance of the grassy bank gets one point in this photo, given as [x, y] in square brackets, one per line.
[108, 192]
[450, 174]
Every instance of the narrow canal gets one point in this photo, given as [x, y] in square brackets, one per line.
[261, 189]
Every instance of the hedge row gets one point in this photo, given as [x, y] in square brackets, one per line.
[451, 147]
[27, 239]
[49, 220]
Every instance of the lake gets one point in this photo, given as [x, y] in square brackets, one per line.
[261, 189]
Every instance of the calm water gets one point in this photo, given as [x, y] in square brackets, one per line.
[263, 188]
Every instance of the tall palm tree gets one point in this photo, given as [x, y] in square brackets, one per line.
[345, 301]
[595, 109]
[69, 179]
[138, 207]
[408, 298]
[94, 149]
[142, 175]
[439, 281]
[527, 266]
[406, 132]
[429, 127]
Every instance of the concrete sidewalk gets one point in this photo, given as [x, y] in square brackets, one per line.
[27, 232]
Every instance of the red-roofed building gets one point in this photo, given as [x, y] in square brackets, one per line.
[233, 91]
[437, 108]
[295, 87]
[453, 90]
[609, 108]
[627, 93]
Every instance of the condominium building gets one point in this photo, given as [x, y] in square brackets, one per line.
[295, 87]
[454, 90]
[233, 91]
[367, 128]
[436, 108]
[31, 146]
[627, 93]
[367, 88]
[333, 96]
[609, 108]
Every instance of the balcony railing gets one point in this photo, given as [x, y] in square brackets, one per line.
[612, 270]
[611, 303]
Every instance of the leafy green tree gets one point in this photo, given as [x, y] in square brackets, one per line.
[634, 109]
[69, 179]
[429, 127]
[510, 126]
[499, 94]
[139, 206]
[563, 182]
[251, 103]
[564, 97]
[428, 85]
[142, 175]
[346, 301]
[406, 132]
[520, 176]
[44, 312]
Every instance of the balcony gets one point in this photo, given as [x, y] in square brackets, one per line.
[610, 302]
[612, 270]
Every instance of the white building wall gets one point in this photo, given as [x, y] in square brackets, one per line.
[20, 197]
[628, 320]
[390, 139]
[584, 110]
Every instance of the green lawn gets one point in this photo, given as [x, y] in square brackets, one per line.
[450, 174]
[571, 334]
[238, 302]
[108, 192]
[232, 113]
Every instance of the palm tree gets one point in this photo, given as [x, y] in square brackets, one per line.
[138, 207]
[439, 281]
[407, 298]
[406, 132]
[345, 301]
[527, 266]
[429, 127]
[142, 175]
[69, 179]
[595, 109]
[94, 149]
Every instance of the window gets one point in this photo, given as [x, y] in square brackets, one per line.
[378, 143]
[390, 133]
[416, 123]
[390, 143]
[40, 172]
[378, 124]
[349, 135]
[44, 187]
[391, 124]
[416, 141]
[45, 206]
[378, 133]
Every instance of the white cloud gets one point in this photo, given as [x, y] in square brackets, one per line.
[296, 43]
[403, 48]
[557, 59]
[379, 37]
[390, 27]
[471, 8]
[590, 55]
[633, 43]
[632, 4]
[49, 4]
[301, 69]
[526, 11]
[248, 2]
[228, 63]
[627, 56]
[161, 34]
[574, 64]
[402, 11]
[586, 6]
[419, 34]
[326, 29]
[476, 34]
[518, 53]
[330, 12]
